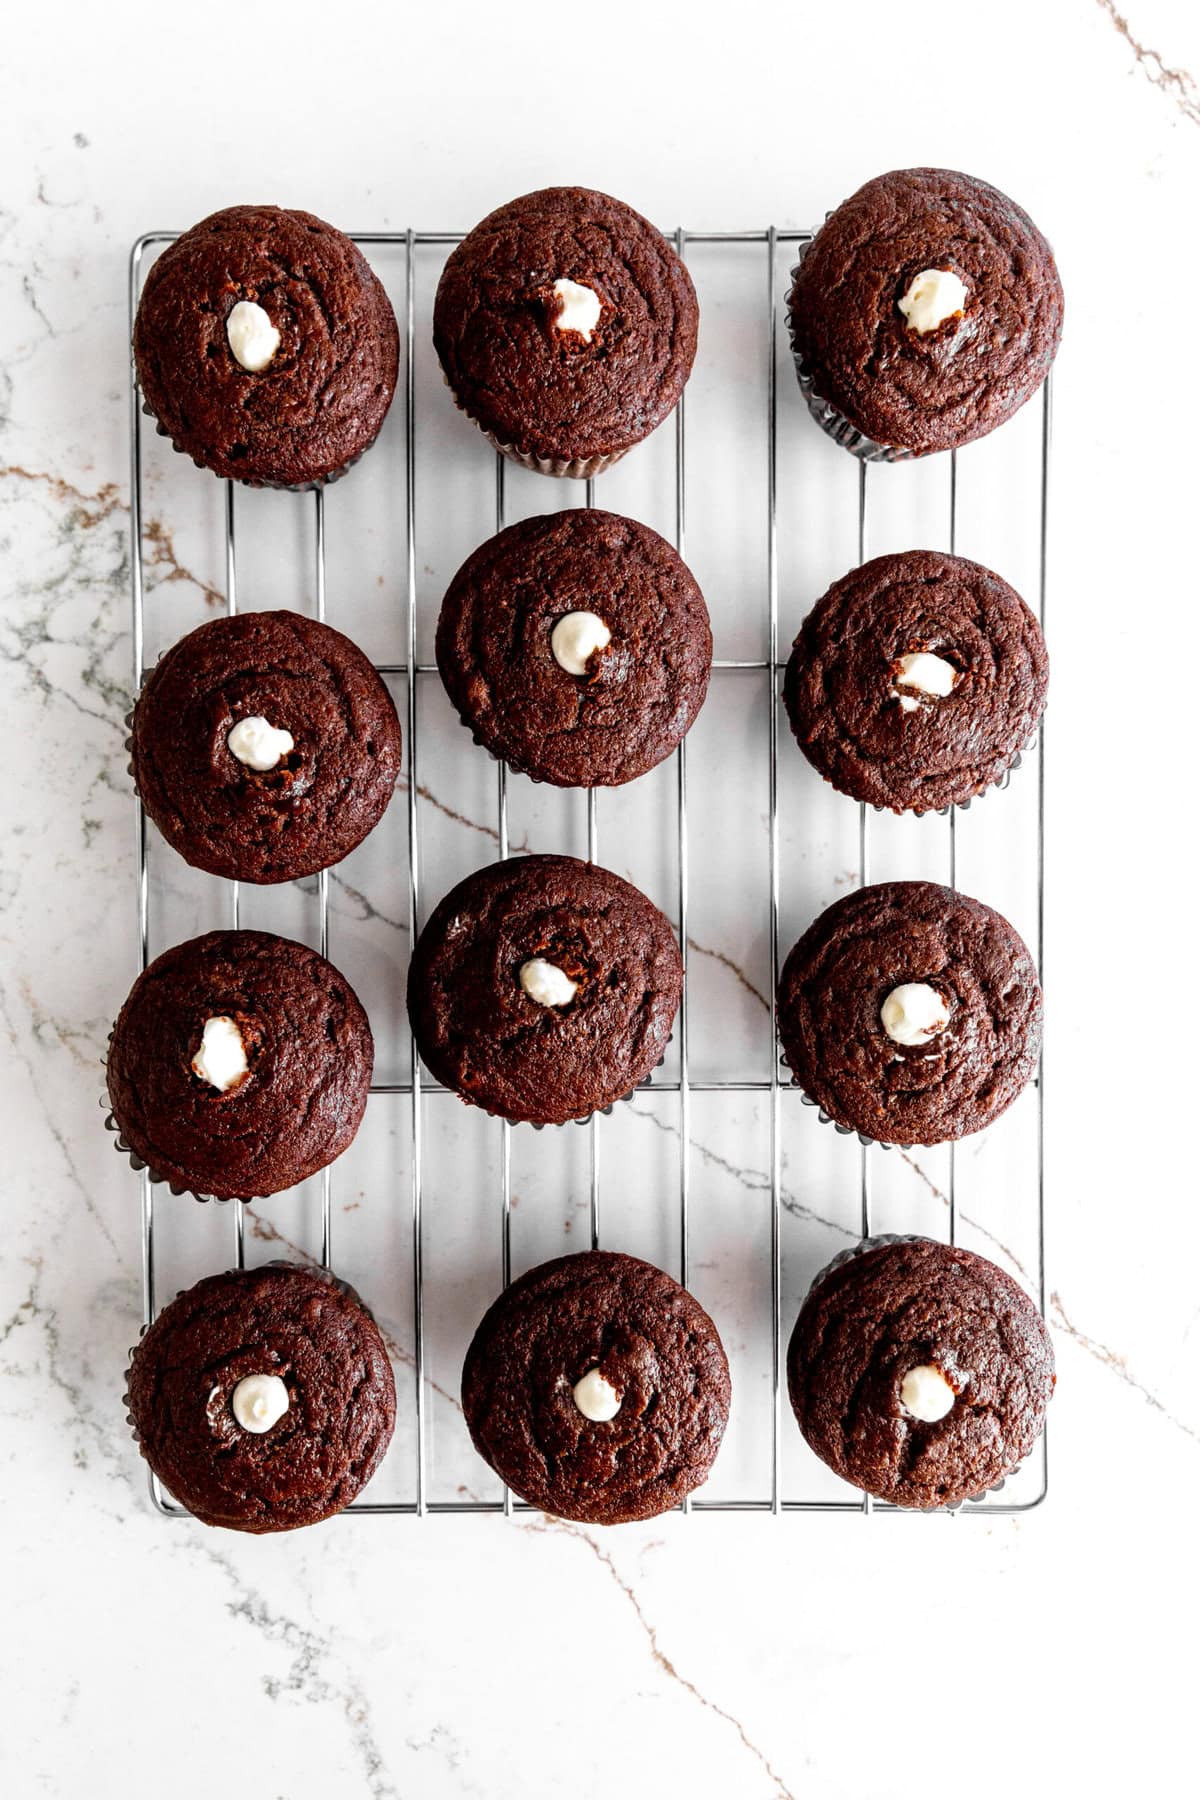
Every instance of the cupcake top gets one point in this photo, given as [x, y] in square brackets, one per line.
[566, 325]
[263, 1399]
[919, 1372]
[240, 1065]
[927, 309]
[266, 347]
[597, 1388]
[910, 1013]
[577, 647]
[544, 988]
[916, 680]
[265, 746]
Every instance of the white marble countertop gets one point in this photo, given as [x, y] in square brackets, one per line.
[714, 1655]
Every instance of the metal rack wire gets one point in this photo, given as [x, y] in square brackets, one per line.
[418, 1088]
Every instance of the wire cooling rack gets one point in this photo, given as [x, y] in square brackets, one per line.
[766, 365]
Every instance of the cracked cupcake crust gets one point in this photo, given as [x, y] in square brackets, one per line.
[874, 1316]
[641, 693]
[307, 1043]
[480, 1032]
[314, 1335]
[553, 395]
[652, 1342]
[874, 940]
[932, 391]
[844, 704]
[322, 798]
[321, 400]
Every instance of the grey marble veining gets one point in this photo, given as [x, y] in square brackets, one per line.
[528, 1657]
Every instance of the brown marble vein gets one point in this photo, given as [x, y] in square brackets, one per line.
[1109, 1359]
[1177, 84]
[457, 818]
[90, 510]
[266, 1232]
[756, 1180]
[966, 1218]
[738, 973]
[546, 1524]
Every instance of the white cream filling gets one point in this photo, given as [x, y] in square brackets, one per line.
[578, 309]
[258, 1402]
[596, 1397]
[546, 983]
[927, 673]
[913, 1013]
[931, 298]
[926, 1393]
[252, 337]
[221, 1058]
[575, 640]
[259, 744]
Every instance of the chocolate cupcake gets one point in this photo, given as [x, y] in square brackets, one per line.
[916, 681]
[576, 647]
[910, 1013]
[263, 1399]
[566, 328]
[597, 1388]
[918, 1372]
[926, 310]
[266, 347]
[544, 989]
[240, 1065]
[265, 746]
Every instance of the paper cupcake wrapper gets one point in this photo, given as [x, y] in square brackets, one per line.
[875, 1242]
[562, 786]
[286, 487]
[833, 423]
[249, 880]
[998, 784]
[825, 1118]
[573, 468]
[138, 1162]
[275, 1263]
[806, 1099]
[602, 1112]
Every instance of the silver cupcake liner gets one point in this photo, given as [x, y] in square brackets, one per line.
[833, 423]
[875, 1242]
[572, 468]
